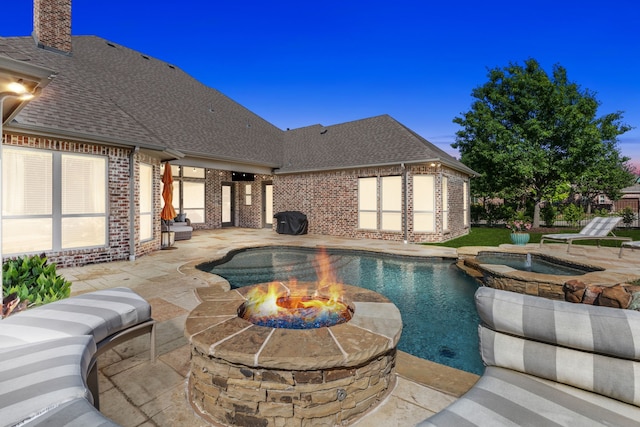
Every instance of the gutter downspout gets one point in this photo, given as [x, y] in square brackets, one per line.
[132, 206]
[405, 219]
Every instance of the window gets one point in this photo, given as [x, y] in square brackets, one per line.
[27, 201]
[387, 207]
[191, 172]
[465, 202]
[189, 192]
[391, 201]
[193, 200]
[84, 180]
[445, 203]
[247, 194]
[367, 203]
[424, 203]
[53, 201]
[601, 199]
[146, 202]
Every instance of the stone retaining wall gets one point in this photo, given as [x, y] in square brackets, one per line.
[238, 395]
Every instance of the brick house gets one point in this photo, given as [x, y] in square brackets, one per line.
[631, 199]
[83, 161]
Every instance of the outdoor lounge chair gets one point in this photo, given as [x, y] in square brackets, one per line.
[632, 245]
[598, 229]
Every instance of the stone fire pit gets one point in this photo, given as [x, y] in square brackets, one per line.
[248, 375]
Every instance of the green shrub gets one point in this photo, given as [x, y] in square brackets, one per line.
[477, 213]
[573, 214]
[628, 216]
[33, 280]
[549, 213]
[497, 213]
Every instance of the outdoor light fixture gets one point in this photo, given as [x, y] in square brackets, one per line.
[17, 87]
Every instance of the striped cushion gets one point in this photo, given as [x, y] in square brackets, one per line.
[99, 313]
[604, 330]
[609, 376]
[76, 413]
[37, 377]
[600, 226]
[507, 398]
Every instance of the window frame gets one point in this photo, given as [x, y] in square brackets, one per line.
[247, 195]
[445, 203]
[386, 214]
[367, 209]
[188, 174]
[141, 212]
[56, 216]
[465, 204]
[430, 187]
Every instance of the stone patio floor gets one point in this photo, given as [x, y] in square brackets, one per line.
[136, 392]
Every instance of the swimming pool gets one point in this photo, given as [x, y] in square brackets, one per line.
[440, 322]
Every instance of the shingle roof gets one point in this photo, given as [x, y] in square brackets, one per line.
[377, 140]
[108, 93]
[116, 94]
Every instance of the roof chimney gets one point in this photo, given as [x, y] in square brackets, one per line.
[52, 25]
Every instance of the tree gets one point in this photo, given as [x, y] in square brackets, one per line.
[528, 132]
[609, 174]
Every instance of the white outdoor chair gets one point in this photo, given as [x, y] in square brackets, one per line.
[632, 245]
[598, 229]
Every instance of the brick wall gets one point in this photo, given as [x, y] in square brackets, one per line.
[248, 216]
[330, 201]
[52, 24]
[456, 213]
[143, 248]
[117, 247]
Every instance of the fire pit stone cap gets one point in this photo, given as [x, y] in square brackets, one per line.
[374, 329]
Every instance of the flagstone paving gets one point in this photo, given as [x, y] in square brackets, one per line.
[136, 392]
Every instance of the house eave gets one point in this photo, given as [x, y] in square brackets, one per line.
[163, 152]
[32, 77]
[229, 159]
[445, 162]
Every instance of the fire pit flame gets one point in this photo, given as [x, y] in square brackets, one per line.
[280, 307]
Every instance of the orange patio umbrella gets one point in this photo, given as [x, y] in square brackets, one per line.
[168, 212]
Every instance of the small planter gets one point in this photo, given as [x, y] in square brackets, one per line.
[519, 239]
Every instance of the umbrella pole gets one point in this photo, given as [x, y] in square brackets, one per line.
[168, 239]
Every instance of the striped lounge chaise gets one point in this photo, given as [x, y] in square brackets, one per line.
[599, 228]
[551, 363]
[48, 372]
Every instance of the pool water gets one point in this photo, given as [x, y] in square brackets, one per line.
[532, 262]
[440, 321]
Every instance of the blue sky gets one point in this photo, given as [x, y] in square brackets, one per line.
[301, 63]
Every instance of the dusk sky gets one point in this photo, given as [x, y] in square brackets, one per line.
[302, 63]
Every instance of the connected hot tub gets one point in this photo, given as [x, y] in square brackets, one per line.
[527, 273]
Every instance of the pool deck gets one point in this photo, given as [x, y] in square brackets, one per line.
[136, 392]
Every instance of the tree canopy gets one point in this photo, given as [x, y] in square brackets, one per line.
[528, 132]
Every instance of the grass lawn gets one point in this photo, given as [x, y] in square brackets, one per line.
[490, 236]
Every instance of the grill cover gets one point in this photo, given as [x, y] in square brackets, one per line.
[291, 222]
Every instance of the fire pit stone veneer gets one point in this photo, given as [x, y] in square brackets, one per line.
[248, 375]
